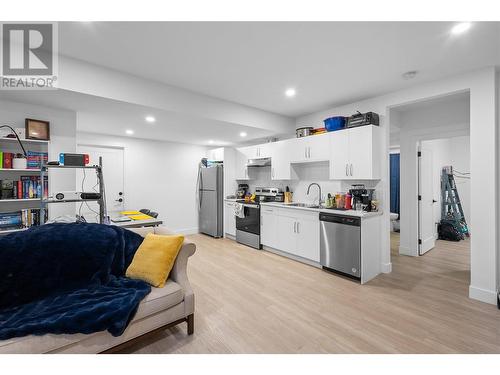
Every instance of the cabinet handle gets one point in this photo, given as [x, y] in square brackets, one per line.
[351, 169]
[347, 169]
[272, 172]
[294, 227]
[305, 153]
[298, 228]
[309, 151]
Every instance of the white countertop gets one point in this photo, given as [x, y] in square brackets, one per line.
[361, 214]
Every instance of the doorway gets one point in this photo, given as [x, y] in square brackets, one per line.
[113, 177]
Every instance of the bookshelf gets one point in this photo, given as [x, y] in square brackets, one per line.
[10, 145]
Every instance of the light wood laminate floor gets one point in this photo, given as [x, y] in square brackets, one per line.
[250, 301]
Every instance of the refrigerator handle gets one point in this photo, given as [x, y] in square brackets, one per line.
[200, 186]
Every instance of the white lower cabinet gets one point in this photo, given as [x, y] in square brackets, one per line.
[229, 219]
[269, 226]
[293, 231]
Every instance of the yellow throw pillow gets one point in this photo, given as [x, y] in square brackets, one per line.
[155, 258]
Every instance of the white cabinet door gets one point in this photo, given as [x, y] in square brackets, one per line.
[298, 149]
[241, 165]
[216, 154]
[361, 156]
[339, 155]
[264, 150]
[364, 154]
[269, 227]
[287, 237]
[318, 148]
[280, 161]
[308, 238]
[229, 219]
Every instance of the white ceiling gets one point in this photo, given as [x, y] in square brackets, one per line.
[104, 116]
[251, 63]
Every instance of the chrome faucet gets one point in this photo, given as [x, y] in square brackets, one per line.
[319, 187]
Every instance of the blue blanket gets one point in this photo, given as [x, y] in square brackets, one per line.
[68, 278]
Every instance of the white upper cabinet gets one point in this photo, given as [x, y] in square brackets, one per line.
[280, 161]
[216, 154]
[241, 163]
[354, 154]
[258, 151]
[309, 149]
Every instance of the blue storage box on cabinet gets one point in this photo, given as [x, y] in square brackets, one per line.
[334, 123]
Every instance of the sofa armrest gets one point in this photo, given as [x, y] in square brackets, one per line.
[179, 271]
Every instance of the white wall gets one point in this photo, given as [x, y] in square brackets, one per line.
[455, 152]
[62, 139]
[158, 175]
[484, 165]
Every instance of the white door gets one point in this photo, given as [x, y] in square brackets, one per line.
[426, 201]
[86, 180]
[339, 155]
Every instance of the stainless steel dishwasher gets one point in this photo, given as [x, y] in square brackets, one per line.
[340, 244]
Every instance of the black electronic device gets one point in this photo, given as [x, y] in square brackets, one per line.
[361, 119]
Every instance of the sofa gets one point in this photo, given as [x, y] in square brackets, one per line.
[162, 308]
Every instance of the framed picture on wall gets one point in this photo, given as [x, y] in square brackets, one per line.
[37, 129]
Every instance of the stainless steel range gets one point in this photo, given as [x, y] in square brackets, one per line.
[248, 222]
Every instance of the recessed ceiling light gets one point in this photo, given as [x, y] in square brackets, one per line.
[211, 141]
[150, 119]
[460, 28]
[243, 134]
[129, 132]
[290, 93]
[410, 74]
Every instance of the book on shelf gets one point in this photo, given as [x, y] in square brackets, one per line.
[35, 159]
[25, 218]
[27, 187]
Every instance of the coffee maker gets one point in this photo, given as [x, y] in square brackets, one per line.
[242, 191]
[360, 194]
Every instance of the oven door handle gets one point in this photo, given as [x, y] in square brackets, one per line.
[250, 205]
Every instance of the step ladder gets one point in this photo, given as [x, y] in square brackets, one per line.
[451, 207]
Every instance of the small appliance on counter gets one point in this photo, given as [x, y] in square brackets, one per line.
[268, 194]
[242, 191]
[361, 119]
[361, 197]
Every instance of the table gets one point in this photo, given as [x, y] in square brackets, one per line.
[139, 223]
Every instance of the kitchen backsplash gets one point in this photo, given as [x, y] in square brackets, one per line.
[306, 173]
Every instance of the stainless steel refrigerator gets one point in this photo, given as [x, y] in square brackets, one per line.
[210, 200]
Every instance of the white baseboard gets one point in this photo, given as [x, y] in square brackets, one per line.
[403, 250]
[185, 231]
[386, 267]
[483, 295]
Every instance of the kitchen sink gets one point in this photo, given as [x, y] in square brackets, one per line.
[305, 205]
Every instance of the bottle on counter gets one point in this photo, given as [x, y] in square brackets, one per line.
[348, 202]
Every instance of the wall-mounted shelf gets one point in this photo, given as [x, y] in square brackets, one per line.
[7, 231]
[3, 139]
[19, 170]
[20, 200]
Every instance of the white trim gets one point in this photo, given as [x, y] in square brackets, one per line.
[386, 267]
[186, 231]
[483, 295]
[403, 250]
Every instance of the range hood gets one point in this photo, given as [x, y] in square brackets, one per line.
[262, 162]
